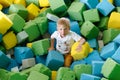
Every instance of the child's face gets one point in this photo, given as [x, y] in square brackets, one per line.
[63, 30]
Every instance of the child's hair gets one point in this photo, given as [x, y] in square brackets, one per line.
[63, 21]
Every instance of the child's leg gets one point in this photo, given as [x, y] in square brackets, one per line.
[67, 60]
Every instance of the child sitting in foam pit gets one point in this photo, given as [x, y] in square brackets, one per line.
[65, 38]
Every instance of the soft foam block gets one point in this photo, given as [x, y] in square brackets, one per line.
[5, 23]
[32, 30]
[78, 55]
[19, 9]
[91, 15]
[89, 30]
[40, 47]
[82, 68]
[64, 73]
[6, 3]
[1, 7]
[111, 69]
[54, 60]
[44, 3]
[97, 67]
[89, 77]
[110, 34]
[12, 64]
[23, 2]
[75, 11]
[57, 6]
[114, 20]
[34, 75]
[52, 17]
[93, 43]
[18, 22]
[21, 53]
[93, 56]
[105, 7]
[117, 39]
[4, 60]
[9, 40]
[1, 37]
[41, 59]
[33, 11]
[36, 2]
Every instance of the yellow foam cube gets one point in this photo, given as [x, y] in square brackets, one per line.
[114, 21]
[54, 73]
[33, 11]
[78, 55]
[23, 2]
[44, 3]
[5, 23]
[43, 9]
[1, 6]
[29, 45]
[6, 3]
[9, 40]
[111, 1]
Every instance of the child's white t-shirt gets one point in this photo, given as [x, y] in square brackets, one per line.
[64, 44]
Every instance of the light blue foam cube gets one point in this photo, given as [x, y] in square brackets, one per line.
[117, 39]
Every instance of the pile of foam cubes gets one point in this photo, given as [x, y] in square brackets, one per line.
[25, 29]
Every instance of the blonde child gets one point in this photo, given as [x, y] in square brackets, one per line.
[65, 38]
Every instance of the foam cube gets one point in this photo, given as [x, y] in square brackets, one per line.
[116, 55]
[97, 67]
[93, 43]
[100, 44]
[117, 2]
[93, 56]
[118, 9]
[105, 7]
[22, 36]
[1, 7]
[2, 48]
[36, 2]
[51, 27]
[54, 60]
[89, 77]
[33, 11]
[108, 50]
[89, 30]
[15, 69]
[12, 64]
[58, 6]
[4, 74]
[52, 17]
[23, 2]
[5, 23]
[40, 47]
[91, 15]
[42, 23]
[44, 3]
[9, 40]
[117, 39]
[21, 53]
[82, 68]
[111, 69]
[78, 55]
[110, 34]
[1, 37]
[54, 73]
[29, 62]
[103, 24]
[65, 73]
[4, 60]
[41, 59]
[19, 9]
[29, 45]
[31, 29]
[34, 75]
[114, 20]
[6, 3]
[75, 11]
[18, 22]
[104, 79]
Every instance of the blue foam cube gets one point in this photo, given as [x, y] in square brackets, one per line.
[93, 43]
[12, 64]
[117, 2]
[54, 60]
[41, 59]
[117, 39]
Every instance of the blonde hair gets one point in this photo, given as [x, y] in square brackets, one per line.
[63, 21]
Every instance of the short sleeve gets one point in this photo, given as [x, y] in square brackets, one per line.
[54, 35]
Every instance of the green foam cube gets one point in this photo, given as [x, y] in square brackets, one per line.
[91, 15]
[111, 69]
[40, 47]
[4, 74]
[57, 6]
[19, 9]
[42, 23]
[34, 75]
[65, 73]
[18, 22]
[82, 68]
[104, 79]
[89, 30]
[118, 9]
[31, 28]
[110, 34]
[75, 11]
[103, 23]
[36, 2]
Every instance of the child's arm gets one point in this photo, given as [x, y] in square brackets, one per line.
[52, 44]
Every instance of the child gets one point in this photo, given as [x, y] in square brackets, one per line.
[65, 39]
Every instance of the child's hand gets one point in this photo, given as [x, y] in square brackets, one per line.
[79, 48]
